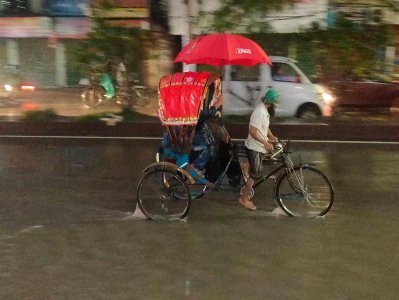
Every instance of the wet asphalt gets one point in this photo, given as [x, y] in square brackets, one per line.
[67, 229]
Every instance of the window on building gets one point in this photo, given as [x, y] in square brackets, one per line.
[14, 8]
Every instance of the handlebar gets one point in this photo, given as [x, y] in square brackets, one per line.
[280, 146]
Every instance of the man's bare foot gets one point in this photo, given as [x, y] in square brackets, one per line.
[244, 200]
[210, 185]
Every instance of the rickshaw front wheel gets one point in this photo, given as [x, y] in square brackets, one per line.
[163, 195]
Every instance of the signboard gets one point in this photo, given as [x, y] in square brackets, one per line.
[121, 9]
[120, 3]
[21, 27]
[27, 27]
[130, 23]
[68, 8]
[76, 28]
[120, 13]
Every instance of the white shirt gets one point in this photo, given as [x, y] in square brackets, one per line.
[121, 73]
[260, 119]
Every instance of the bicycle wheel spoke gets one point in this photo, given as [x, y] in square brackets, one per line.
[305, 191]
[163, 195]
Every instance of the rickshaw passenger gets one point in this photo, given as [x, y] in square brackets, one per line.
[204, 142]
[182, 160]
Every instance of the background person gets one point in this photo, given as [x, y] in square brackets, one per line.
[122, 83]
[259, 141]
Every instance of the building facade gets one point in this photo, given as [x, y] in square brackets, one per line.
[376, 12]
[37, 37]
[183, 16]
[183, 19]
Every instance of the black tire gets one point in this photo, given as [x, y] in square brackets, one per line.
[309, 112]
[304, 191]
[92, 97]
[163, 195]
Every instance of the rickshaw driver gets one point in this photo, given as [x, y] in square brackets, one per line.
[259, 141]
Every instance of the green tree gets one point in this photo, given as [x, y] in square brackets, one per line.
[249, 13]
[333, 53]
[107, 45]
[342, 53]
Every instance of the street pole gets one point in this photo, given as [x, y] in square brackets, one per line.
[186, 38]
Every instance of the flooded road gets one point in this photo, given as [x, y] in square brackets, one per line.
[67, 229]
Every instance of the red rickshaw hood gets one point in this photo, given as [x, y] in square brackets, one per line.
[181, 97]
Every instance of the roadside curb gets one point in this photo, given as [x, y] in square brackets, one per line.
[366, 132]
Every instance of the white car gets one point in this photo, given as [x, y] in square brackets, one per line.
[243, 87]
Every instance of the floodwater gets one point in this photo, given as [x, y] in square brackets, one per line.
[67, 229]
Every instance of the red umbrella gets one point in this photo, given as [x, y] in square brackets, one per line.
[223, 49]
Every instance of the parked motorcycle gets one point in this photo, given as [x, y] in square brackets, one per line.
[129, 95]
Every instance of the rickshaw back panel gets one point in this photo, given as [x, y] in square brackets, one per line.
[181, 100]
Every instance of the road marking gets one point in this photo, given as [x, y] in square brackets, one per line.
[345, 142]
[82, 137]
[160, 138]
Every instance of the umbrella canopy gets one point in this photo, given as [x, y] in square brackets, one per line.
[223, 49]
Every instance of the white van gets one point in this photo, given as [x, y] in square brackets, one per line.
[243, 88]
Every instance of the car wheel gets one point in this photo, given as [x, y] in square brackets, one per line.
[309, 112]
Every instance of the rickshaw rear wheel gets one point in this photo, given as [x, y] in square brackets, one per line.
[163, 195]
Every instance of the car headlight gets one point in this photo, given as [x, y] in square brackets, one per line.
[8, 87]
[327, 98]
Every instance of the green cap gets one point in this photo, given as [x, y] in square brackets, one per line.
[271, 96]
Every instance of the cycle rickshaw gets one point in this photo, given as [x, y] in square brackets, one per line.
[167, 187]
